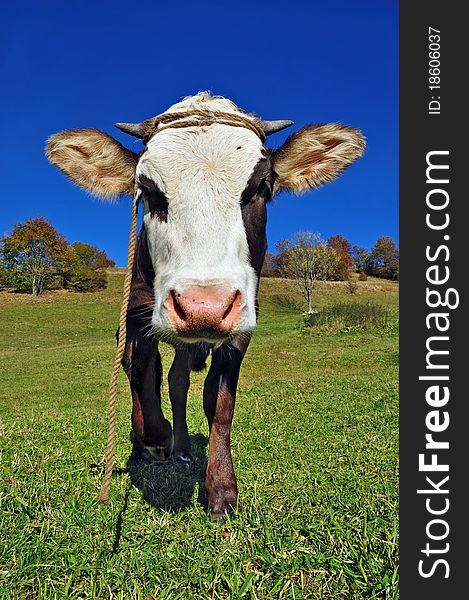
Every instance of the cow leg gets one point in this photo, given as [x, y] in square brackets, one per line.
[219, 403]
[151, 432]
[179, 381]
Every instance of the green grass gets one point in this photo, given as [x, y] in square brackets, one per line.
[346, 316]
[315, 449]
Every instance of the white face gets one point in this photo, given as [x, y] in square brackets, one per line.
[201, 243]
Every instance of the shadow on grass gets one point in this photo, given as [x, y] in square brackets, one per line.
[120, 519]
[170, 484]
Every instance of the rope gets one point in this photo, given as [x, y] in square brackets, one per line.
[202, 117]
[104, 495]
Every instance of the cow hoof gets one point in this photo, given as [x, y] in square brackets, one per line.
[218, 517]
[222, 510]
[161, 452]
[183, 456]
[156, 452]
[138, 456]
[149, 453]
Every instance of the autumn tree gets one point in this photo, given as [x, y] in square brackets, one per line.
[85, 268]
[33, 254]
[92, 257]
[268, 267]
[35, 257]
[343, 248]
[309, 260]
[281, 259]
[384, 258]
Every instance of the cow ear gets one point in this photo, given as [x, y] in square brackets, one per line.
[93, 160]
[315, 155]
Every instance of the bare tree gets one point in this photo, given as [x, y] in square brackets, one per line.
[311, 259]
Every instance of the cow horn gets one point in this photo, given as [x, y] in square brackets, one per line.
[270, 127]
[138, 130]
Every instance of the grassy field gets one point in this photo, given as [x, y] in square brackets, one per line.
[315, 449]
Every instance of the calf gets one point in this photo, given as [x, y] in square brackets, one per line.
[204, 178]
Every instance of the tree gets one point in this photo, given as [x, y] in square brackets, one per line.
[91, 257]
[85, 268]
[281, 259]
[268, 267]
[384, 258]
[80, 278]
[6, 280]
[360, 258]
[35, 257]
[311, 259]
[344, 249]
[33, 253]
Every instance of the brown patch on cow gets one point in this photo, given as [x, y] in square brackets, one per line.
[219, 403]
[93, 160]
[315, 155]
[137, 416]
[220, 479]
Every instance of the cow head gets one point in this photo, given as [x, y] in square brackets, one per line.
[205, 186]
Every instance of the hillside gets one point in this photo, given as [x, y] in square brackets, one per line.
[314, 443]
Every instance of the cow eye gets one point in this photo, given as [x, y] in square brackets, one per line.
[156, 201]
[264, 189]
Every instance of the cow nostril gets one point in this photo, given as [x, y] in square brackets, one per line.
[177, 307]
[231, 306]
[227, 311]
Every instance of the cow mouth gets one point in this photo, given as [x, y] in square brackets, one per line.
[207, 335]
[200, 336]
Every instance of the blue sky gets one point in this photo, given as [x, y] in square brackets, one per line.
[91, 64]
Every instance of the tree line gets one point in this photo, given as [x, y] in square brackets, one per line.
[309, 258]
[335, 259]
[34, 258]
